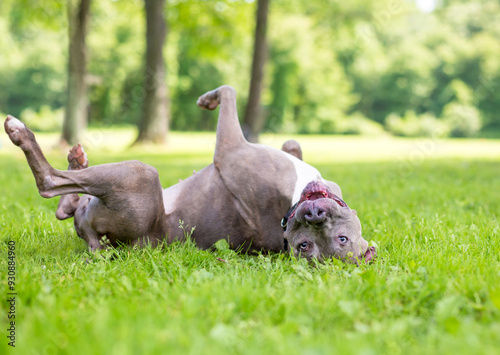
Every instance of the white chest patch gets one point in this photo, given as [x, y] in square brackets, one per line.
[305, 174]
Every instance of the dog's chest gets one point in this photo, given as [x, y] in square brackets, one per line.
[305, 174]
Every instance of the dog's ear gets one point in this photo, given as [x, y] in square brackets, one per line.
[370, 254]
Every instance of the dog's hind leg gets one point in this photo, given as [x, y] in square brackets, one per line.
[125, 200]
[77, 159]
[100, 181]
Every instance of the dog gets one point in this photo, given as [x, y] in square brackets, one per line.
[241, 197]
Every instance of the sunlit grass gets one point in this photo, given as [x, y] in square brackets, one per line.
[317, 148]
[433, 209]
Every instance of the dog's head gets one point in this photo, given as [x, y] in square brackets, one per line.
[321, 225]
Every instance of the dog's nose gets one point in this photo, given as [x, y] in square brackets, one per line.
[315, 215]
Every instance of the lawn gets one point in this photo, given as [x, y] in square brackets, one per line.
[432, 207]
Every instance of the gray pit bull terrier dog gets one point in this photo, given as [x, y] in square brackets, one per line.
[241, 197]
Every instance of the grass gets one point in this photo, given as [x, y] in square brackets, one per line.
[432, 207]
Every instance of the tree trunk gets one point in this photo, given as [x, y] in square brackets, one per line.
[75, 117]
[254, 120]
[153, 125]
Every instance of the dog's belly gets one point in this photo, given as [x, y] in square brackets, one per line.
[202, 202]
[243, 200]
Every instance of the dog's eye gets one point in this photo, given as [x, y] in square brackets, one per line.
[303, 246]
[343, 239]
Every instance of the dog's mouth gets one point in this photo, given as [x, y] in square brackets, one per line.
[312, 196]
[315, 190]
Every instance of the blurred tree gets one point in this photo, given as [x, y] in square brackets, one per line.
[333, 65]
[253, 121]
[153, 125]
[75, 117]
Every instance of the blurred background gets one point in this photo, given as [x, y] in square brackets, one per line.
[400, 67]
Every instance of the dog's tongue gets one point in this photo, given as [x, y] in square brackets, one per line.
[316, 190]
[311, 196]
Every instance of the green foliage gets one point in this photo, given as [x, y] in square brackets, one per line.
[195, 76]
[411, 125]
[310, 94]
[46, 120]
[434, 288]
[463, 120]
[358, 124]
[42, 87]
[328, 61]
[116, 45]
[459, 118]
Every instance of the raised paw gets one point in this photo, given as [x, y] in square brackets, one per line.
[17, 131]
[209, 101]
[292, 147]
[77, 158]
